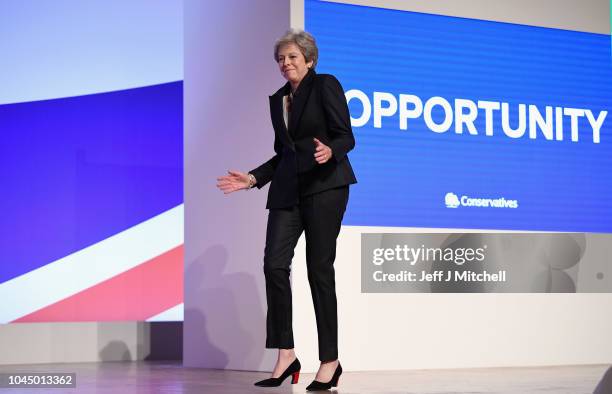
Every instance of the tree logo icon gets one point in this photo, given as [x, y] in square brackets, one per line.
[451, 200]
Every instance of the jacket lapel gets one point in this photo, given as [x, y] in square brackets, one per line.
[276, 112]
[300, 97]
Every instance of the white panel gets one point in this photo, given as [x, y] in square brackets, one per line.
[229, 73]
[422, 331]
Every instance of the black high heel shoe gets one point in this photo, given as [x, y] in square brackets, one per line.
[293, 370]
[316, 385]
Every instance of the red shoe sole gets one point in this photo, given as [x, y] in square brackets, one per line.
[295, 377]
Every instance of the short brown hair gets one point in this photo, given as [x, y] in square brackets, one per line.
[304, 40]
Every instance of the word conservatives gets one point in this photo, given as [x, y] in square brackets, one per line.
[453, 201]
[462, 113]
[440, 276]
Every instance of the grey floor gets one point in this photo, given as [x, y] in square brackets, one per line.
[159, 377]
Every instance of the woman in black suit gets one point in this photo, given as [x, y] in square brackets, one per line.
[309, 176]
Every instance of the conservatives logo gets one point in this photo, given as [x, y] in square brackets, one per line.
[453, 201]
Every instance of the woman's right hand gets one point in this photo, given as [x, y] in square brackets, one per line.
[235, 180]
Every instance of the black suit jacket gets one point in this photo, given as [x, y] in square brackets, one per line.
[319, 110]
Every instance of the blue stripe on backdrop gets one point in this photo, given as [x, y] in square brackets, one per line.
[75, 171]
[404, 175]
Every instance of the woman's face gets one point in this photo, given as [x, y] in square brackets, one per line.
[292, 64]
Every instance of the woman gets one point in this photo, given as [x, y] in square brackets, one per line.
[309, 176]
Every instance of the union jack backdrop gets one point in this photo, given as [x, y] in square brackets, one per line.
[91, 159]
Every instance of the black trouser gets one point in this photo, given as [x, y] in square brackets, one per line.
[319, 216]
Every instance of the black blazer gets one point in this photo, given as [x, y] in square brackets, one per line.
[319, 110]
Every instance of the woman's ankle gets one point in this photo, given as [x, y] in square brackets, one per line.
[286, 354]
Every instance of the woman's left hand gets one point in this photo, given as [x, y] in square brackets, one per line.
[322, 152]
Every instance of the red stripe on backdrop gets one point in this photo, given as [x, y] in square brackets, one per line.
[137, 294]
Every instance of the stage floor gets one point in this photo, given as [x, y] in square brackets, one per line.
[164, 377]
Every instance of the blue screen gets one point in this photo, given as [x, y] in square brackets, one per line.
[464, 123]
